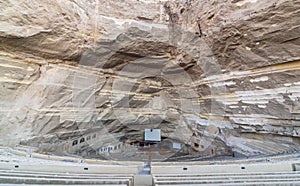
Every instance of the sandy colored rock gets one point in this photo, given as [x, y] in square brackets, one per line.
[217, 77]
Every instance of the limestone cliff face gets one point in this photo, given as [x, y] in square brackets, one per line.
[87, 77]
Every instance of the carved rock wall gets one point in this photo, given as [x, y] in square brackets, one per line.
[214, 76]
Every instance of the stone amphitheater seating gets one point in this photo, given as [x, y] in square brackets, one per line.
[248, 173]
[47, 178]
[38, 169]
[263, 178]
[272, 148]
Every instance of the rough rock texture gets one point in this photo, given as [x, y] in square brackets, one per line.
[217, 77]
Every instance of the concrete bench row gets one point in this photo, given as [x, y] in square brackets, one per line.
[229, 168]
[63, 185]
[284, 178]
[14, 173]
[70, 168]
[269, 158]
[42, 178]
